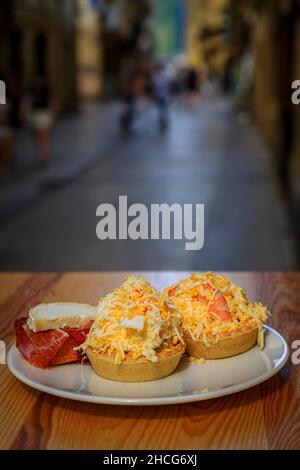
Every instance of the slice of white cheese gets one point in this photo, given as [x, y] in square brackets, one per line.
[60, 315]
[136, 323]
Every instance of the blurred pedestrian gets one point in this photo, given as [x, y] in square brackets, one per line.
[133, 87]
[161, 92]
[40, 112]
[192, 83]
[7, 138]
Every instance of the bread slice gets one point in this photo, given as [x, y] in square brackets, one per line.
[136, 370]
[54, 315]
[228, 344]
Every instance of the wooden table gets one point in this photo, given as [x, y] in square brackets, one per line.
[264, 417]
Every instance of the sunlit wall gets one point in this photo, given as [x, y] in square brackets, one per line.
[88, 51]
[205, 41]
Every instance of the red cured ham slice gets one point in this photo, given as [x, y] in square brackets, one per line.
[67, 353]
[38, 348]
[51, 347]
[79, 334]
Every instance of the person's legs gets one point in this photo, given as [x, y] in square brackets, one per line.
[6, 151]
[43, 143]
[128, 114]
[163, 109]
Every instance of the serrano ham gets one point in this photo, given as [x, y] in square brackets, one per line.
[52, 347]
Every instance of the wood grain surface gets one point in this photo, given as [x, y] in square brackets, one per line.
[264, 417]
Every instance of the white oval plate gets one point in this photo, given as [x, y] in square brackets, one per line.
[190, 382]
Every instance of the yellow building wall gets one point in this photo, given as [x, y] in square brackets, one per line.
[89, 74]
[265, 91]
[295, 166]
[202, 15]
[89, 52]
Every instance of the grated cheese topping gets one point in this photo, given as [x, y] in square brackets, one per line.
[134, 319]
[199, 361]
[212, 306]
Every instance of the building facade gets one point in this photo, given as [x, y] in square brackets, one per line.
[206, 45]
[89, 50]
[39, 39]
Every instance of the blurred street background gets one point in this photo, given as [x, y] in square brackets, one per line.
[173, 101]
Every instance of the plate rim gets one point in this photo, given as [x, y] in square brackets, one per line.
[166, 400]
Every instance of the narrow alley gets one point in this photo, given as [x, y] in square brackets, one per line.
[207, 156]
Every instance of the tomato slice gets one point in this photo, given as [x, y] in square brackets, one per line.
[220, 308]
[200, 297]
[208, 287]
[172, 291]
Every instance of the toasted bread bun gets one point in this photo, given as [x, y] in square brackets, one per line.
[228, 344]
[60, 315]
[136, 370]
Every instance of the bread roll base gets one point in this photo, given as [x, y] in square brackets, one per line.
[135, 370]
[227, 346]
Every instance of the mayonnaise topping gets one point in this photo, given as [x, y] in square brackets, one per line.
[211, 305]
[133, 319]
